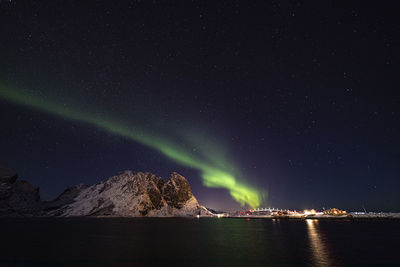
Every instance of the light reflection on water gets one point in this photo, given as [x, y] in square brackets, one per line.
[197, 242]
[321, 256]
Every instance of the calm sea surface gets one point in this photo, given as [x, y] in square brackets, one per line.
[198, 242]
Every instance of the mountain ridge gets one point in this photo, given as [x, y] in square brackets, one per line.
[128, 194]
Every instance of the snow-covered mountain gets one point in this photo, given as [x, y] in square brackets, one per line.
[127, 194]
[134, 194]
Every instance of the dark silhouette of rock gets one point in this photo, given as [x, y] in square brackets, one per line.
[17, 197]
[7, 178]
[26, 191]
[25, 197]
[5, 191]
[7, 175]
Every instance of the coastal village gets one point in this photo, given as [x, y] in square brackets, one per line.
[281, 213]
[332, 213]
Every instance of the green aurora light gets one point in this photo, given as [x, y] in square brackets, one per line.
[212, 168]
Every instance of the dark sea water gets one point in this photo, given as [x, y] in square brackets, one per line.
[198, 242]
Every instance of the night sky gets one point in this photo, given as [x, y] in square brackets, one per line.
[298, 101]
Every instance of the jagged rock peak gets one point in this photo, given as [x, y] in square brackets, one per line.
[177, 191]
[7, 175]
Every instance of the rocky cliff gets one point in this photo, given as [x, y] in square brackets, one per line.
[127, 194]
[17, 197]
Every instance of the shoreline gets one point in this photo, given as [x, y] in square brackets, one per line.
[268, 217]
[324, 217]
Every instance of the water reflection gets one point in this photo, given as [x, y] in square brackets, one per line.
[320, 252]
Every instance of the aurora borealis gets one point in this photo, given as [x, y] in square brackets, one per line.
[211, 173]
[282, 104]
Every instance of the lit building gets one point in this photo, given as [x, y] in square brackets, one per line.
[335, 212]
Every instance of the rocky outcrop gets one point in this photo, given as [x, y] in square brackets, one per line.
[7, 175]
[127, 194]
[176, 191]
[7, 178]
[17, 197]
